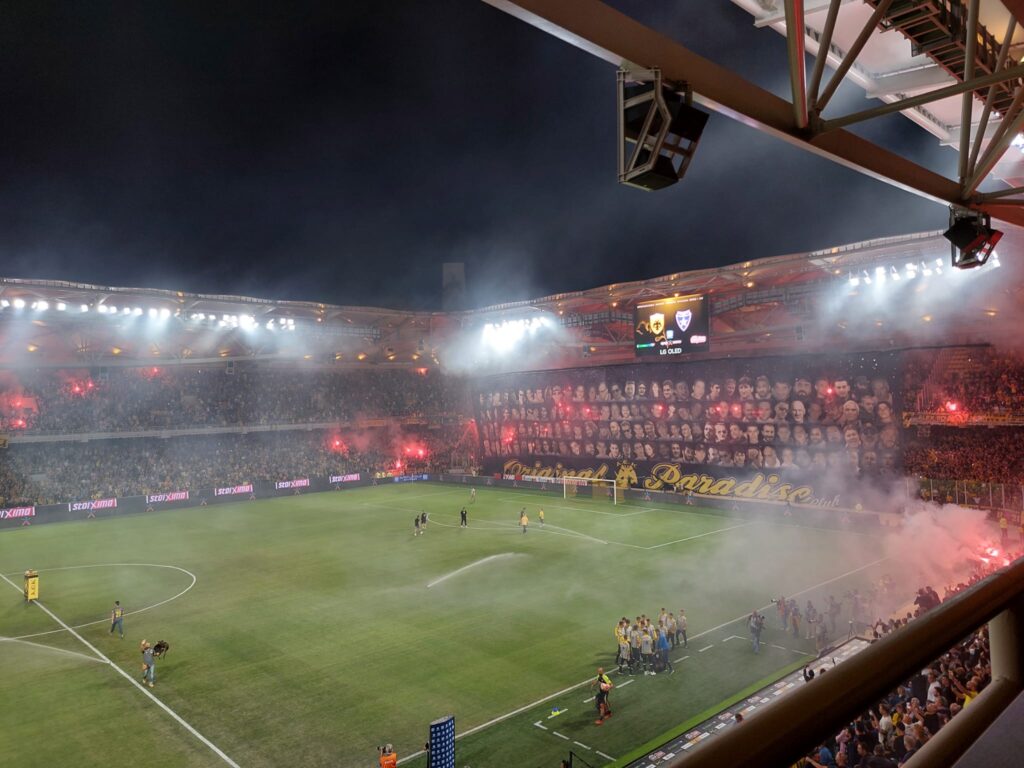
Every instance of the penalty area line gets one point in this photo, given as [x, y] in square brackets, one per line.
[102, 657]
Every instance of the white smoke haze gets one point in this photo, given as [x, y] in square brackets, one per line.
[466, 353]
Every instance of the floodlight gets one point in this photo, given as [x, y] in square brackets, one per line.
[84, 308]
[153, 313]
[165, 313]
[40, 306]
[4, 303]
[911, 270]
[926, 270]
[971, 238]
[854, 280]
[880, 274]
[61, 306]
[137, 311]
[865, 277]
[19, 303]
[894, 274]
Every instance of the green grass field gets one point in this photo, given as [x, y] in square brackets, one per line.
[303, 631]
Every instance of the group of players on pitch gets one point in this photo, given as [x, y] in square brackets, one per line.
[420, 520]
[644, 646]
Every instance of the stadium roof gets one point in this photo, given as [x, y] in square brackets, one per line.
[762, 306]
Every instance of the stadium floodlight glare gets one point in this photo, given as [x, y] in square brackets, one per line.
[153, 313]
[127, 310]
[19, 303]
[995, 260]
[137, 311]
[854, 280]
[41, 305]
[61, 306]
[102, 309]
[894, 274]
[865, 277]
[503, 337]
[880, 275]
[4, 303]
[926, 270]
[911, 270]
[84, 308]
[165, 313]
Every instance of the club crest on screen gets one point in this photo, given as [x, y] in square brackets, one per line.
[683, 318]
[657, 323]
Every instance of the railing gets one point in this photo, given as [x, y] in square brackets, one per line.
[784, 732]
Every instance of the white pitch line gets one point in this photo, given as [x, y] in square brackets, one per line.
[733, 637]
[542, 727]
[706, 648]
[682, 659]
[561, 736]
[700, 535]
[627, 683]
[571, 688]
[213, 747]
[581, 744]
[606, 757]
[110, 565]
[51, 648]
[457, 571]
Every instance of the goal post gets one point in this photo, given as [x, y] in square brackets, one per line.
[590, 488]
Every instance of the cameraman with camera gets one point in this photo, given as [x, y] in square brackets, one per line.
[388, 758]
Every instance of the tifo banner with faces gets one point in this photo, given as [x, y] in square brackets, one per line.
[793, 415]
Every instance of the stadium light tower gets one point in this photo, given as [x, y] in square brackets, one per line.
[658, 130]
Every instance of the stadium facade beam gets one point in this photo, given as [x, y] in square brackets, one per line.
[813, 6]
[824, 46]
[1004, 50]
[967, 99]
[797, 60]
[622, 41]
[999, 76]
[852, 54]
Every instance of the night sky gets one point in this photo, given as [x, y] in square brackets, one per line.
[340, 152]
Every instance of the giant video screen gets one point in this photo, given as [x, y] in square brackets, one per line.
[672, 326]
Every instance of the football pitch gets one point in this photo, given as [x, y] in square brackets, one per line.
[308, 630]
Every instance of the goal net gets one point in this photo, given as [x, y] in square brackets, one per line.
[590, 488]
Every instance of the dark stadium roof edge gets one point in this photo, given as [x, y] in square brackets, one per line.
[756, 306]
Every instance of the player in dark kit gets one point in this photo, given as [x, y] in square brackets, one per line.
[416, 525]
[463, 522]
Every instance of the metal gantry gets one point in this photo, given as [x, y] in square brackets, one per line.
[969, 54]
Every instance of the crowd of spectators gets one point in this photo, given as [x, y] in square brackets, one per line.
[795, 415]
[982, 381]
[174, 397]
[979, 454]
[890, 733]
[43, 473]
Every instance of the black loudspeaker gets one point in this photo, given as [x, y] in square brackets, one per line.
[974, 240]
[671, 157]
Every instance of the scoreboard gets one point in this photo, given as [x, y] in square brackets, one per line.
[671, 326]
